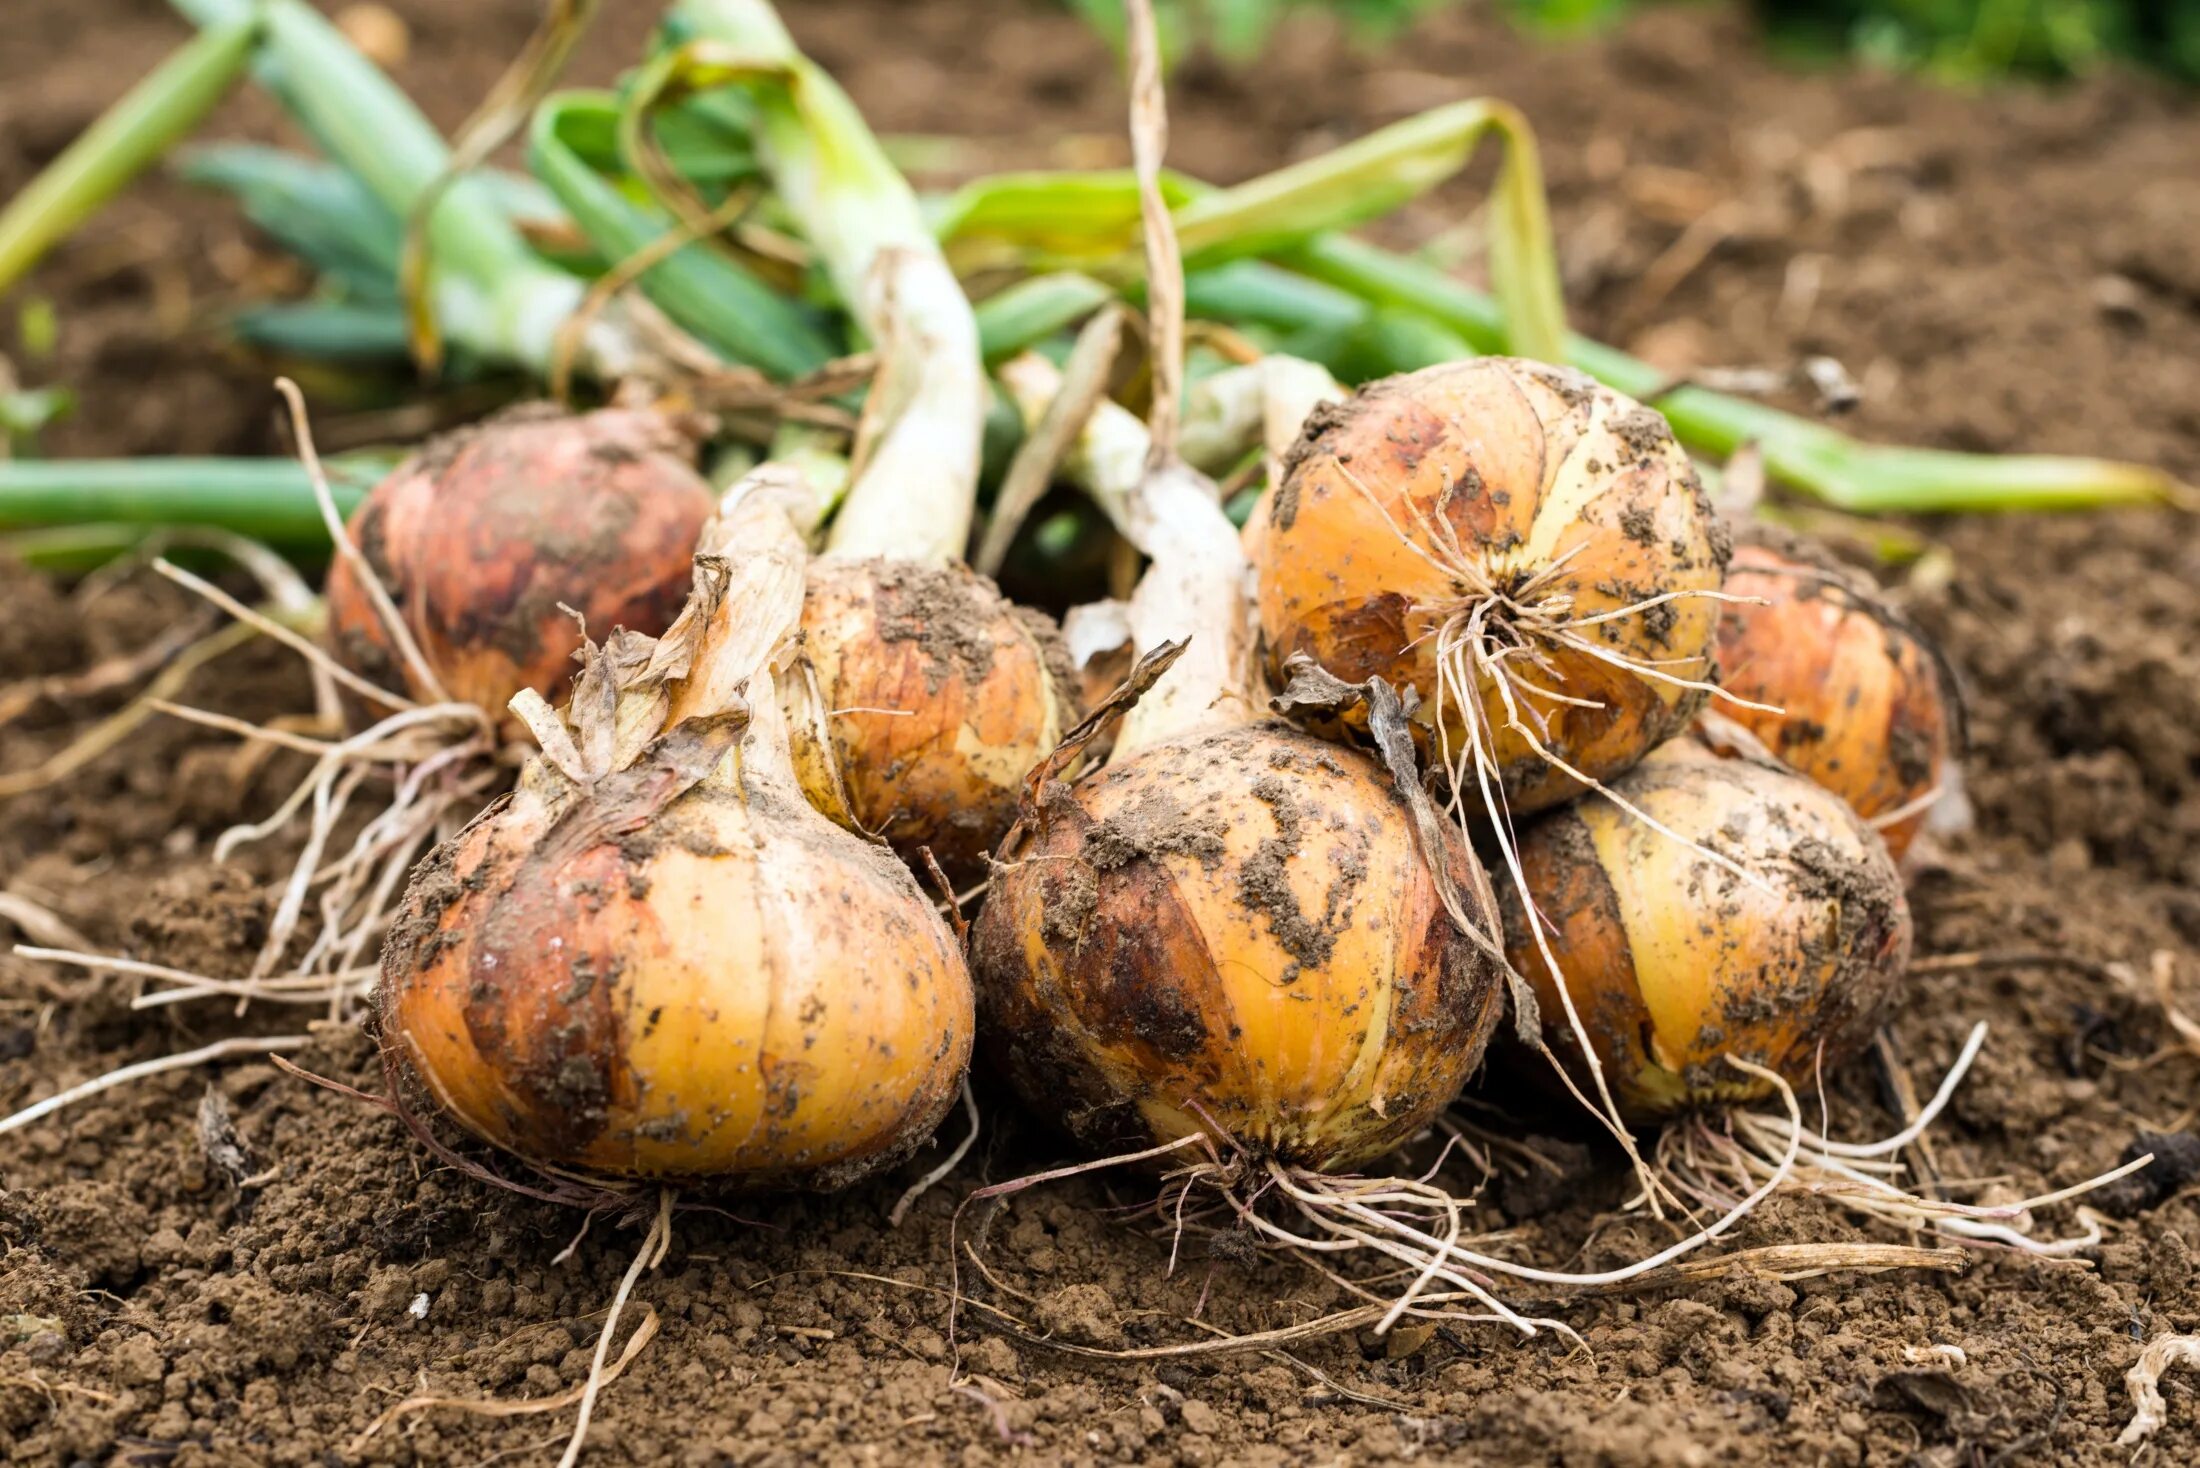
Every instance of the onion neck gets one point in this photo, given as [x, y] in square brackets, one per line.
[918, 446]
[1198, 584]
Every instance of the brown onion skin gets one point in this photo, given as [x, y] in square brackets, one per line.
[1673, 961]
[479, 537]
[1521, 465]
[942, 696]
[1870, 710]
[730, 988]
[1205, 938]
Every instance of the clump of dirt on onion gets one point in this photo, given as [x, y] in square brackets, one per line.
[654, 958]
[1765, 921]
[487, 535]
[1529, 551]
[1834, 682]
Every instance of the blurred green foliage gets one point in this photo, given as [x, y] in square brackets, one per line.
[1979, 39]
[1964, 40]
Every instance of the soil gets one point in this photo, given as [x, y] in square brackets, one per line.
[230, 1266]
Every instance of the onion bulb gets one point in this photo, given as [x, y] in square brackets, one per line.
[654, 958]
[940, 696]
[1531, 552]
[485, 536]
[1868, 708]
[1674, 960]
[1232, 932]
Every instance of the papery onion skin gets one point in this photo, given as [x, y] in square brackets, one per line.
[1513, 467]
[481, 536]
[734, 990]
[1674, 961]
[1232, 932]
[1870, 709]
[941, 696]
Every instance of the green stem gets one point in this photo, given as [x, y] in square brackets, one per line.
[162, 108]
[1034, 309]
[489, 289]
[702, 289]
[269, 500]
[916, 492]
[1372, 175]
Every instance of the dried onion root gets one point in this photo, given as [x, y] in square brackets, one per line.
[655, 959]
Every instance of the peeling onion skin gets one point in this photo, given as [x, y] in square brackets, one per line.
[480, 536]
[1232, 931]
[1871, 712]
[1509, 467]
[731, 989]
[943, 695]
[1673, 961]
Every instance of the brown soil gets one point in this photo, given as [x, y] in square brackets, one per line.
[2017, 271]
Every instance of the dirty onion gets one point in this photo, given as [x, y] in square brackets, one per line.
[938, 693]
[1529, 551]
[1228, 937]
[1853, 694]
[1228, 932]
[484, 538]
[655, 959]
[1676, 960]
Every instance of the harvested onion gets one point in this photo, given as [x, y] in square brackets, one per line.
[1674, 959]
[1868, 707]
[940, 696]
[1530, 551]
[655, 958]
[1231, 930]
[937, 694]
[484, 537]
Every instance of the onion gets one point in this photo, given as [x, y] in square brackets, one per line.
[484, 537]
[1531, 552]
[654, 958]
[1231, 931]
[1868, 707]
[1675, 959]
[941, 696]
[937, 694]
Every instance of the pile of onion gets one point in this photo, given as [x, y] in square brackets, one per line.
[654, 958]
[485, 537]
[1765, 921]
[1529, 551]
[1849, 691]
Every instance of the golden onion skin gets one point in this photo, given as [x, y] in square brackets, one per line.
[1231, 932]
[1510, 468]
[941, 696]
[1673, 961]
[1870, 711]
[479, 537]
[731, 989]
